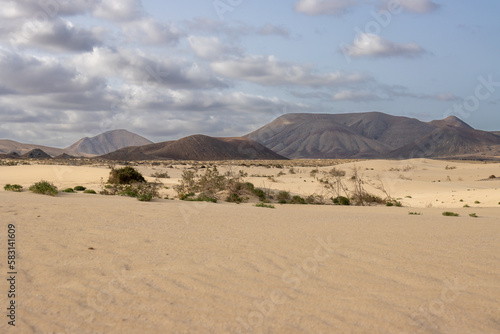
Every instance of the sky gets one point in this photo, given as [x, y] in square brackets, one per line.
[168, 69]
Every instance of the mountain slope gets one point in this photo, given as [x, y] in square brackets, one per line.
[372, 135]
[107, 142]
[197, 147]
[9, 146]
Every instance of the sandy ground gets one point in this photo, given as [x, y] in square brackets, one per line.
[107, 264]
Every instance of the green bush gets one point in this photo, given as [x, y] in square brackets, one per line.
[125, 175]
[450, 214]
[13, 187]
[473, 215]
[283, 197]
[297, 200]
[341, 200]
[44, 188]
[89, 191]
[79, 188]
[477, 202]
[68, 190]
[263, 205]
[415, 213]
[200, 198]
[161, 175]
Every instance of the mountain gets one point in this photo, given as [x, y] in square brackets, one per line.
[36, 154]
[372, 135]
[106, 143]
[197, 147]
[496, 133]
[9, 146]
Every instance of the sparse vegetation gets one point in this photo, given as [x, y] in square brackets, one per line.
[473, 215]
[13, 187]
[69, 190]
[161, 175]
[450, 214]
[89, 191]
[341, 200]
[477, 202]
[79, 188]
[415, 213]
[492, 177]
[264, 205]
[450, 167]
[466, 206]
[125, 175]
[44, 188]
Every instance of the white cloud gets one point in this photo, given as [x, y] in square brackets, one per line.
[325, 7]
[371, 45]
[57, 35]
[270, 29]
[136, 67]
[147, 30]
[211, 48]
[414, 6]
[356, 96]
[269, 71]
[122, 10]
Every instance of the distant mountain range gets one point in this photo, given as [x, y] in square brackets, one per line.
[295, 136]
[373, 135]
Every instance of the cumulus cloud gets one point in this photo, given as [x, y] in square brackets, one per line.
[270, 71]
[355, 96]
[371, 45]
[413, 6]
[136, 67]
[325, 7]
[123, 10]
[211, 48]
[147, 30]
[58, 35]
[39, 75]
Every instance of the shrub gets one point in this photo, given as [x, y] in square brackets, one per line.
[125, 175]
[89, 191]
[68, 190]
[393, 202]
[292, 171]
[44, 188]
[473, 215]
[297, 200]
[450, 214]
[283, 197]
[492, 177]
[200, 198]
[263, 205]
[341, 200]
[477, 202]
[415, 213]
[161, 175]
[466, 206]
[13, 187]
[79, 188]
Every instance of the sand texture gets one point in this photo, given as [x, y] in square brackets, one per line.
[109, 264]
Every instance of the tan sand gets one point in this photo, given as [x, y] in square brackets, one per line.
[100, 264]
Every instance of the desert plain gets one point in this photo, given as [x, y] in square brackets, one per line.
[108, 264]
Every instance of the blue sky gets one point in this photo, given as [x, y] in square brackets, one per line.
[168, 69]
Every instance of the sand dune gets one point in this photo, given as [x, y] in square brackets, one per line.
[101, 264]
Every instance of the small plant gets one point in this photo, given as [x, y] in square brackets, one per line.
[264, 205]
[492, 177]
[415, 213]
[44, 188]
[283, 197]
[69, 190]
[161, 175]
[461, 200]
[292, 171]
[314, 172]
[466, 206]
[125, 175]
[473, 215]
[408, 197]
[450, 167]
[79, 188]
[281, 173]
[13, 187]
[450, 214]
[297, 200]
[477, 202]
[89, 191]
[341, 200]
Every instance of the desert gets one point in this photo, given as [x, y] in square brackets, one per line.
[89, 263]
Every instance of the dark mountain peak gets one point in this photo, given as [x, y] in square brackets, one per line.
[36, 154]
[452, 121]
